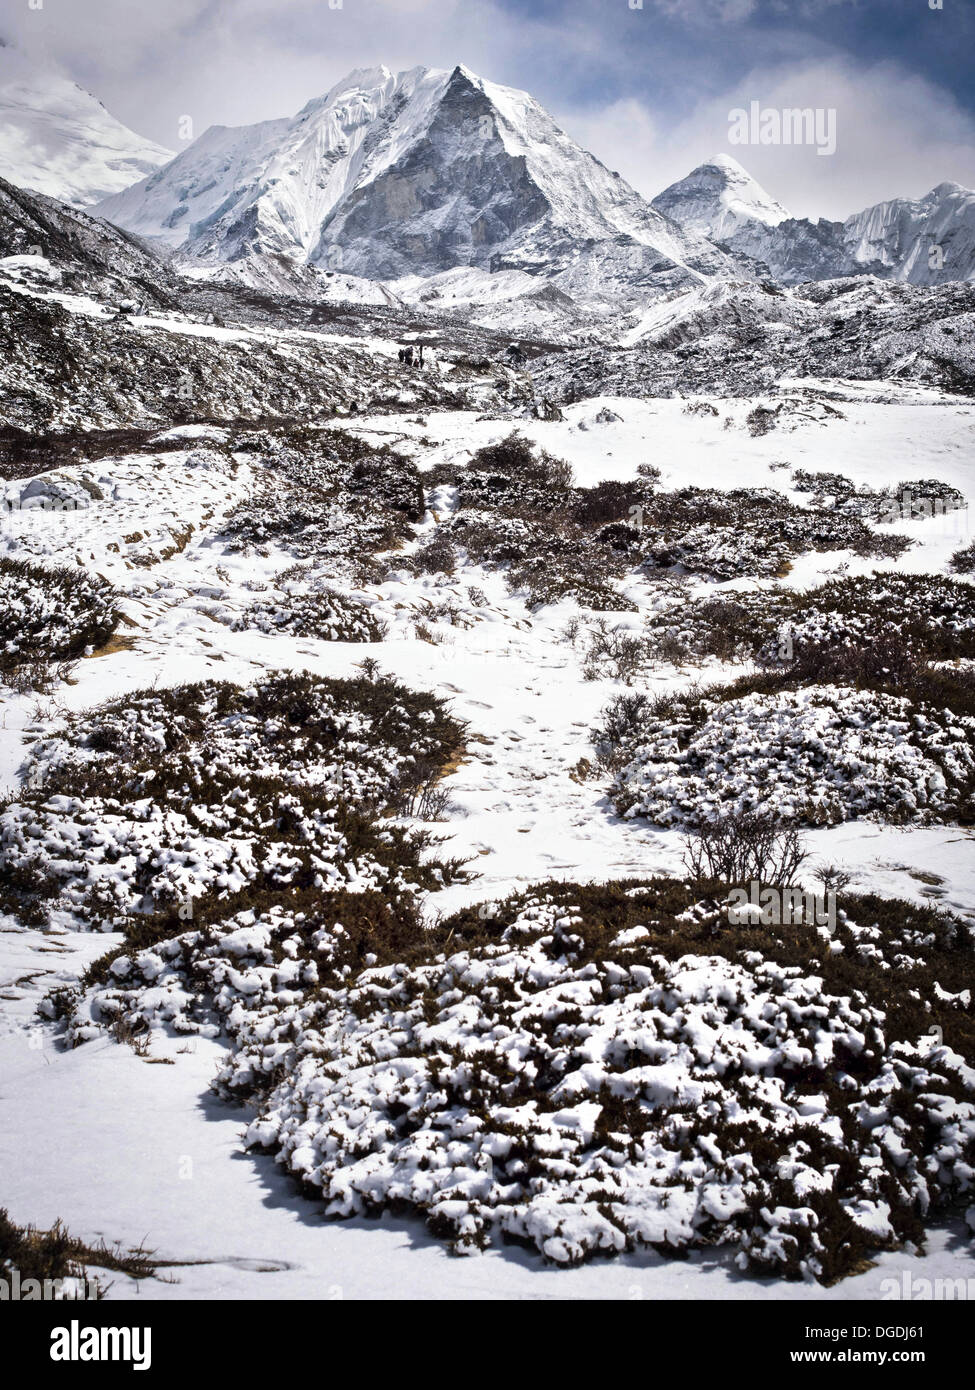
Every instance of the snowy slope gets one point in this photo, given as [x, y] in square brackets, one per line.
[268, 187]
[57, 139]
[413, 174]
[278, 274]
[89, 254]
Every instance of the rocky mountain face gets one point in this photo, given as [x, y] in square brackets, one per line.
[741, 339]
[435, 204]
[416, 173]
[96, 331]
[62, 368]
[927, 241]
[387, 184]
[57, 139]
[85, 253]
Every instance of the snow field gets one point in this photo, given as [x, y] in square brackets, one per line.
[524, 814]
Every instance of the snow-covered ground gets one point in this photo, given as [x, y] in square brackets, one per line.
[116, 1150]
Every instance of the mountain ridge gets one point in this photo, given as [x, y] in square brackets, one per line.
[923, 241]
[404, 178]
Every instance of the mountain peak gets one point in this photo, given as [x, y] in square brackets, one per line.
[726, 162]
[949, 189]
[361, 79]
[717, 198]
[416, 172]
[58, 139]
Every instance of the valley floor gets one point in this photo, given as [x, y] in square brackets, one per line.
[136, 1149]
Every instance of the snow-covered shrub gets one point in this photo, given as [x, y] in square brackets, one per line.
[516, 505]
[818, 755]
[933, 616]
[595, 507]
[725, 626]
[437, 556]
[917, 499]
[824, 530]
[745, 847]
[327, 496]
[721, 552]
[514, 475]
[614, 653]
[963, 561]
[489, 539]
[649, 471]
[518, 509]
[165, 796]
[51, 616]
[315, 611]
[562, 570]
[588, 1070]
[913, 499]
[623, 722]
[549, 558]
[748, 532]
[823, 485]
[761, 419]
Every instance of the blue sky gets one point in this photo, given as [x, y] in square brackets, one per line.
[646, 89]
[689, 47]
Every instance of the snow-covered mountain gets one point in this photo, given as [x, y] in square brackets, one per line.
[415, 173]
[927, 241]
[717, 198]
[57, 139]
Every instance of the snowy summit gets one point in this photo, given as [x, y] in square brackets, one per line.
[413, 173]
[716, 198]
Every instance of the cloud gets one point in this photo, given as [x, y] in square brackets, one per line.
[232, 62]
[697, 12]
[705, 11]
[898, 135]
[649, 93]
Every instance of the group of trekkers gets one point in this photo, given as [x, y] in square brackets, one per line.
[411, 355]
